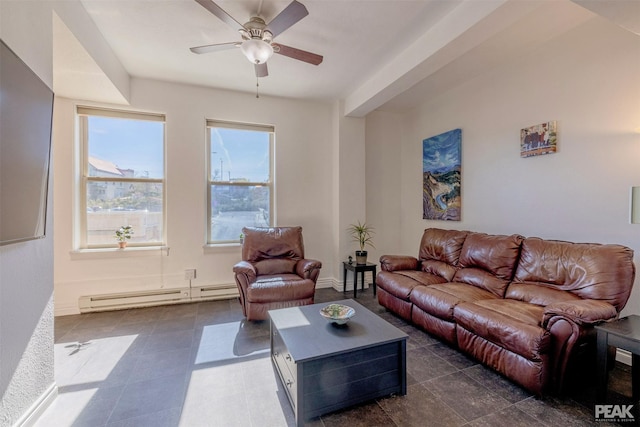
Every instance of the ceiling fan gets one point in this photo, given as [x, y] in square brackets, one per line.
[257, 36]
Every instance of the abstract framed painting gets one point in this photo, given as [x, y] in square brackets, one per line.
[539, 139]
[441, 176]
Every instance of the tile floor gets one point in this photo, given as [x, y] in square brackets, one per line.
[201, 364]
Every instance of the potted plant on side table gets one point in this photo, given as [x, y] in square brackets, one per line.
[363, 234]
[123, 234]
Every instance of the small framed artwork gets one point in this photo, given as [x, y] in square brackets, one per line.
[539, 139]
[441, 161]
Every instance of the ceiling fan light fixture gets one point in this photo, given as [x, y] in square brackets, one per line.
[257, 51]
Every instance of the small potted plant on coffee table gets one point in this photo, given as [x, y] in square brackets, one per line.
[363, 235]
[123, 234]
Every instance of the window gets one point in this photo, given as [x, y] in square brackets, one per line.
[122, 179]
[240, 179]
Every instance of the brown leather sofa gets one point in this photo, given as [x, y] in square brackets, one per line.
[525, 307]
[273, 272]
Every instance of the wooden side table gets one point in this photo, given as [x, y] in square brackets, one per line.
[625, 334]
[358, 268]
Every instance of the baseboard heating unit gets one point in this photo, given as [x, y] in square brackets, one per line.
[124, 300]
[214, 292]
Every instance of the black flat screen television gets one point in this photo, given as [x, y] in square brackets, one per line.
[26, 114]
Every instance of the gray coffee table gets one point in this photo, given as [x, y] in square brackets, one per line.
[324, 367]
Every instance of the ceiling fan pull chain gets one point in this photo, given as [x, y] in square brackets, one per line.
[257, 88]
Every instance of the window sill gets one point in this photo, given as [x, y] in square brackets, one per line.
[221, 248]
[128, 252]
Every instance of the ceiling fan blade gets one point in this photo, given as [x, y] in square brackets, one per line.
[261, 70]
[220, 13]
[289, 16]
[300, 55]
[214, 47]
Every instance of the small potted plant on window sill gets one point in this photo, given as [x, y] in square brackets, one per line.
[123, 234]
[363, 234]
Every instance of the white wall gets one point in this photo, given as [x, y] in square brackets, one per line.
[26, 269]
[384, 134]
[587, 80]
[349, 192]
[304, 193]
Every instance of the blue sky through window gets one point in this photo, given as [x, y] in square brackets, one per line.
[239, 155]
[138, 145]
[129, 144]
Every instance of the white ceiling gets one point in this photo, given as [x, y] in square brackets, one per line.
[359, 39]
[152, 39]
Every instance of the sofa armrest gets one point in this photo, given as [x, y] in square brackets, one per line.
[246, 269]
[571, 324]
[308, 269]
[398, 262]
[583, 312]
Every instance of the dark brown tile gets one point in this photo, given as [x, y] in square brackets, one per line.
[161, 364]
[365, 415]
[169, 341]
[507, 417]
[191, 364]
[423, 365]
[177, 311]
[420, 408]
[557, 412]
[63, 324]
[103, 319]
[147, 397]
[178, 324]
[228, 410]
[417, 338]
[168, 418]
[453, 356]
[145, 314]
[466, 396]
[497, 383]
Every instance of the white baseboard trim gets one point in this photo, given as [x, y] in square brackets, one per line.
[325, 282]
[338, 285]
[34, 412]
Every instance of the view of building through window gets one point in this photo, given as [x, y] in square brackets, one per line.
[123, 176]
[240, 183]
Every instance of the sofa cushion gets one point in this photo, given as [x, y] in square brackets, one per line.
[274, 242]
[488, 261]
[439, 268]
[587, 270]
[538, 294]
[521, 337]
[275, 266]
[524, 312]
[401, 283]
[439, 300]
[441, 245]
[280, 287]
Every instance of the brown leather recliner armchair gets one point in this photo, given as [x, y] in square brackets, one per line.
[273, 272]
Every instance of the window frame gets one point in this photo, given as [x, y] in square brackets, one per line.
[270, 129]
[82, 114]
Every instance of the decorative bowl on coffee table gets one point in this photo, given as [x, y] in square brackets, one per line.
[337, 313]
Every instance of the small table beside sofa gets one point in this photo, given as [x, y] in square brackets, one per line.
[357, 268]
